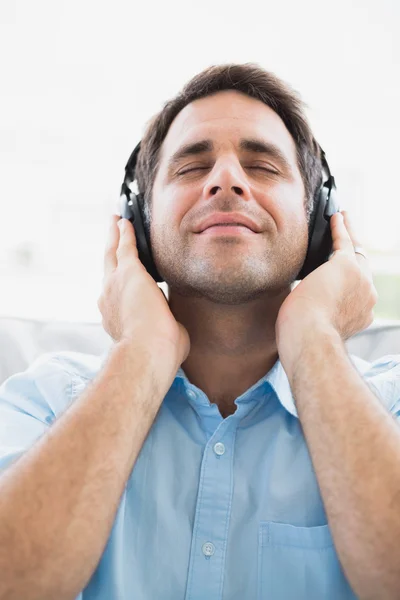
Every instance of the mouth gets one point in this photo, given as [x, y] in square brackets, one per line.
[227, 230]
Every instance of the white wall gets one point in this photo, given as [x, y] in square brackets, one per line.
[80, 79]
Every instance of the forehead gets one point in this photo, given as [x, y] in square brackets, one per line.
[226, 117]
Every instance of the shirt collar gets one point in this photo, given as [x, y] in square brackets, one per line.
[276, 378]
[279, 382]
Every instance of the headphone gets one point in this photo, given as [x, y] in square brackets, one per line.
[320, 245]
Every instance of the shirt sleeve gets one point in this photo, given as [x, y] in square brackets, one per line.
[29, 403]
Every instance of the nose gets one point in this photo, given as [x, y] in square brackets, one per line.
[227, 179]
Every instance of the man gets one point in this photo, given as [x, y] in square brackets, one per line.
[227, 447]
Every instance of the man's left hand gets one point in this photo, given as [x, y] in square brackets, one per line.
[337, 296]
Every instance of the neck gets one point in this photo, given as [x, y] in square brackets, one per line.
[231, 347]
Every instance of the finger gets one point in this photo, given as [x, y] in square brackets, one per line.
[127, 241]
[110, 254]
[362, 260]
[349, 226]
[341, 240]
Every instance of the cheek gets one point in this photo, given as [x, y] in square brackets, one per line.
[173, 210]
[165, 227]
[285, 205]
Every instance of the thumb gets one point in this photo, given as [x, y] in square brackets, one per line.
[184, 341]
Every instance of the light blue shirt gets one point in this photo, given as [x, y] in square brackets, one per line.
[214, 509]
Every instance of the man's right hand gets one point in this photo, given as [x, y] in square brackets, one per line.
[132, 305]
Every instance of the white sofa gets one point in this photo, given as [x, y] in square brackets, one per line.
[22, 340]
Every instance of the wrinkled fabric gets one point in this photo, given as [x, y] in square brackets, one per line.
[214, 509]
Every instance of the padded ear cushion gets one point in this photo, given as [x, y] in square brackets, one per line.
[130, 209]
[320, 237]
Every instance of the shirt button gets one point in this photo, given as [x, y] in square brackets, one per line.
[192, 394]
[208, 549]
[219, 448]
[49, 419]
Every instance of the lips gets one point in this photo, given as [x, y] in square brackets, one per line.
[227, 225]
[222, 230]
[228, 219]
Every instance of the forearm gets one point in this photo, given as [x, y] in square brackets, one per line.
[58, 501]
[354, 444]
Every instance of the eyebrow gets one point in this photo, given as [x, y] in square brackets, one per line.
[255, 145]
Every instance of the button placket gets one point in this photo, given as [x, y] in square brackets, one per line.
[206, 566]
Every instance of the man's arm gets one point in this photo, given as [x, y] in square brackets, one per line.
[59, 500]
[354, 444]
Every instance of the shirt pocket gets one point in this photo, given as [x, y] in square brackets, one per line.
[299, 563]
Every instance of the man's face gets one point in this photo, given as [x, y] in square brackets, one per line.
[267, 187]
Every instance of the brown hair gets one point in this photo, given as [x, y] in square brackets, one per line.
[257, 83]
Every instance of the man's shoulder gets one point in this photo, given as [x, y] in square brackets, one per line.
[384, 365]
[382, 375]
[76, 365]
[53, 380]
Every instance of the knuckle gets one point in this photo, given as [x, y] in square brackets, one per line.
[125, 270]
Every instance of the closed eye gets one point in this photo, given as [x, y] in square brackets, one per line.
[194, 169]
[265, 169]
[205, 168]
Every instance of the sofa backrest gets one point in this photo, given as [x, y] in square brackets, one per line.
[23, 340]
